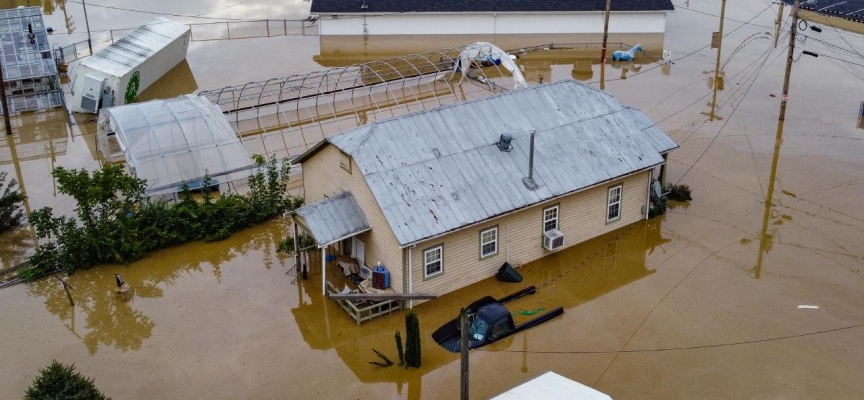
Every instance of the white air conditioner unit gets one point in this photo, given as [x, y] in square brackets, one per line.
[553, 240]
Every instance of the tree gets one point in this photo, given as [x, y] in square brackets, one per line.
[61, 382]
[10, 204]
[412, 341]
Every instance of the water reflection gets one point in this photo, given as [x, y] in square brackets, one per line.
[115, 321]
[766, 238]
[568, 278]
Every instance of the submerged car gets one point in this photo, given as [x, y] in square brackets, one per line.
[489, 321]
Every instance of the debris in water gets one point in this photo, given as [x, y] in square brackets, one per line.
[809, 307]
[386, 362]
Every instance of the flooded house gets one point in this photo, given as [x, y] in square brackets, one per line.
[442, 198]
[383, 27]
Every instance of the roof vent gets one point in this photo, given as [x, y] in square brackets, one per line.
[505, 142]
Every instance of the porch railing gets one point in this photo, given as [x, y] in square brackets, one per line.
[364, 312]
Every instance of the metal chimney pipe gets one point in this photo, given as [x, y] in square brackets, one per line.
[531, 157]
[528, 181]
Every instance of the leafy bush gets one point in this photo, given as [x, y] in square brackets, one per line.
[10, 204]
[658, 206]
[61, 382]
[115, 224]
[304, 241]
[678, 192]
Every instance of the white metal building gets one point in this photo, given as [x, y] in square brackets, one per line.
[172, 142]
[107, 78]
[553, 19]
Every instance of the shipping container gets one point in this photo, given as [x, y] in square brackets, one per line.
[118, 73]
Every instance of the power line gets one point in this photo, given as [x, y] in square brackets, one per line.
[729, 19]
[707, 346]
[697, 50]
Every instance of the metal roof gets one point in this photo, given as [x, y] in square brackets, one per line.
[401, 6]
[23, 59]
[438, 170]
[852, 10]
[551, 386]
[133, 49]
[334, 219]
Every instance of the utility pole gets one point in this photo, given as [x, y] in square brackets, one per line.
[6, 121]
[89, 40]
[605, 31]
[792, 34]
[463, 347]
[717, 66]
[777, 23]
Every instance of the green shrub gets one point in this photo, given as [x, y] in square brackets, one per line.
[412, 339]
[658, 206]
[115, 224]
[61, 382]
[304, 241]
[10, 204]
[678, 192]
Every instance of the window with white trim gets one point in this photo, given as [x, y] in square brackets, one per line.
[550, 219]
[433, 261]
[613, 209]
[488, 242]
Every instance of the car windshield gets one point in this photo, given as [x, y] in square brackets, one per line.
[479, 328]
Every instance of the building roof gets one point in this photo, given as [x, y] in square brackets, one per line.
[169, 142]
[334, 219]
[551, 386]
[438, 170]
[401, 6]
[849, 9]
[133, 49]
[24, 59]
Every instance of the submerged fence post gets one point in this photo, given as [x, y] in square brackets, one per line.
[267, 21]
[285, 26]
[228, 26]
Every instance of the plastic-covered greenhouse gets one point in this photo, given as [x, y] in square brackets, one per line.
[172, 142]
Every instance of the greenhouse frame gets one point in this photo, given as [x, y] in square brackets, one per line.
[174, 142]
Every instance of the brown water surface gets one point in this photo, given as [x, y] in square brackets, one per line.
[699, 303]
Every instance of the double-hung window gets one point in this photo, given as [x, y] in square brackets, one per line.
[488, 242]
[433, 261]
[613, 204]
[550, 219]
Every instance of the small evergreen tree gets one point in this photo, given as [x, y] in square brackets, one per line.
[61, 382]
[412, 340]
[10, 204]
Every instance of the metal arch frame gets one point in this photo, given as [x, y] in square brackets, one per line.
[333, 93]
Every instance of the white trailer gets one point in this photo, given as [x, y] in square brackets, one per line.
[128, 66]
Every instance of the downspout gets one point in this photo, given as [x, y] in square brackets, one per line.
[411, 275]
[648, 202]
[323, 270]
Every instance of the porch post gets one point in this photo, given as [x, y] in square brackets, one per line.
[324, 270]
[663, 171]
[296, 248]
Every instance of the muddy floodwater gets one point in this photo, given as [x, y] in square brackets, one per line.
[753, 290]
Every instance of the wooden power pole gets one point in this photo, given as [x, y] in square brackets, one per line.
[463, 347]
[717, 66]
[605, 31]
[778, 23]
[792, 34]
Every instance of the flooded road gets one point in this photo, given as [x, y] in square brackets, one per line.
[700, 303]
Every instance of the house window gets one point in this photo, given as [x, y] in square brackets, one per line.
[488, 242]
[613, 209]
[345, 161]
[550, 219]
[433, 261]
